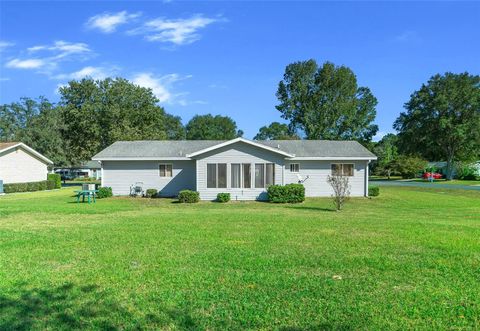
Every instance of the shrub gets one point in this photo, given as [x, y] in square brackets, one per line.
[373, 191]
[223, 197]
[187, 196]
[57, 179]
[25, 187]
[467, 171]
[341, 190]
[290, 193]
[104, 192]
[151, 193]
[51, 185]
[410, 166]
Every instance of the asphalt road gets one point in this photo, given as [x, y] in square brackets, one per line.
[422, 184]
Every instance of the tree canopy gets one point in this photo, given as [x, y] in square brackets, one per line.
[326, 102]
[276, 131]
[36, 123]
[209, 127]
[442, 121]
[97, 113]
[387, 152]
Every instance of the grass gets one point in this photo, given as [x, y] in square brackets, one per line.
[408, 259]
[451, 182]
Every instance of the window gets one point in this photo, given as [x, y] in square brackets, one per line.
[259, 175]
[294, 167]
[211, 175]
[236, 173]
[342, 169]
[264, 174]
[269, 174]
[165, 170]
[247, 181]
[222, 175]
[216, 175]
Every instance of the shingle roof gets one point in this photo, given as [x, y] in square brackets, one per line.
[180, 148]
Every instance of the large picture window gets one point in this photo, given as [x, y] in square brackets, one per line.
[269, 174]
[165, 170]
[216, 175]
[342, 169]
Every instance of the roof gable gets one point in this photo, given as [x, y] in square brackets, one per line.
[5, 147]
[242, 140]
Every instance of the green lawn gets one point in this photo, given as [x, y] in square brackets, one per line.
[409, 259]
[452, 182]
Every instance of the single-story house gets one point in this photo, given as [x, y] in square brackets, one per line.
[241, 167]
[22, 164]
[91, 169]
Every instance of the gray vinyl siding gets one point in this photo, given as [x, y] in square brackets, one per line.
[237, 153]
[317, 171]
[120, 175]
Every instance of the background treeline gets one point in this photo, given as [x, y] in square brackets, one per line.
[441, 121]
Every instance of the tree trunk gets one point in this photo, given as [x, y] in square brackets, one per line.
[450, 167]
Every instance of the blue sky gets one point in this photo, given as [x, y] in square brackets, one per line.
[228, 57]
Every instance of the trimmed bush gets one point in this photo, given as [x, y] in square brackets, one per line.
[187, 196]
[104, 192]
[27, 187]
[151, 193]
[57, 179]
[290, 193]
[51, 185]
[223, 197]
[373, 191]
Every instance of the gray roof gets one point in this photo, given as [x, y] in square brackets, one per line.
[180, 148]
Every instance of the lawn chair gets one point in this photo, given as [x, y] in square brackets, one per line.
[137, 189]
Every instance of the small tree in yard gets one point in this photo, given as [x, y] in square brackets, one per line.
[341, 190]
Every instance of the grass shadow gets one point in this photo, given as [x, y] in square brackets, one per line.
[80, 307]
[311, 208]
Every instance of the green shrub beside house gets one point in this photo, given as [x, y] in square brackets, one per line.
[290, 193]
[29, 187]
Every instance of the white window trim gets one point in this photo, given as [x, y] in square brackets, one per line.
[353, 166]
[295, 172]
[165, 164]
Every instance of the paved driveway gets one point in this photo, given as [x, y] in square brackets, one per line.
[423, 184]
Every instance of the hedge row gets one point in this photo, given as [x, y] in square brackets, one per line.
[290, 193]
[29, 187]
[56, 178]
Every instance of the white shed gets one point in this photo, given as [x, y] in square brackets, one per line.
[21, 164]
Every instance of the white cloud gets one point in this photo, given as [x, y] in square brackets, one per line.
[380, 135]
[176, 31]
[47, 57]
[161, 86]
[89, 71]
[62, 49]
[25, 64]
[5, 44]
[108, 22]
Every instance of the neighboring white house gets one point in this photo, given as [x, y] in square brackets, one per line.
[241, 167]
[21, 164]
[91, 169]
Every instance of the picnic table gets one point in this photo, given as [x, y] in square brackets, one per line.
[87, 193]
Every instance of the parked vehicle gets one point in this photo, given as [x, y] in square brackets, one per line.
[429, 175]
